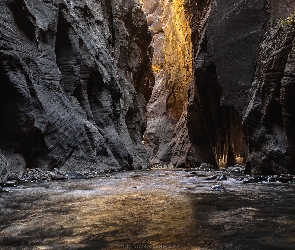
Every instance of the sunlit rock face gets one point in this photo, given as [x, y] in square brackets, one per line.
[75, 77]
[269, 121]
[172, 65]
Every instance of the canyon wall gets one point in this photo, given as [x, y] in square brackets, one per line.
[172, 66]
[75, 77]
[242, 84]
[223, 38]
[225, 62]
[269, 120]
[215, 123]
[103, 85]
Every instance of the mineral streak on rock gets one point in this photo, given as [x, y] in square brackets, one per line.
[224, 37]
[75, 77]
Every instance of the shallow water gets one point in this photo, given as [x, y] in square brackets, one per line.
[157, 209]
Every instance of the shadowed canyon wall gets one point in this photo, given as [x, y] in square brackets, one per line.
[225, 61]
[75, 78]
[269, 120]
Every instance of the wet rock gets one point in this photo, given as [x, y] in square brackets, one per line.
[59, 177]
[211, 178]
[255, 179]
[75, 175]
[12, 177]
[3, 190]
[222, 178]
[12, 183]
[271, 179]
[285, 178]
[218, 187]
[23, 180]
[237, 171]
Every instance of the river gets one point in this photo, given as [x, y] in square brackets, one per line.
[157, 209]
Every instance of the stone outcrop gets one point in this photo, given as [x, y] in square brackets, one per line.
[75, 77]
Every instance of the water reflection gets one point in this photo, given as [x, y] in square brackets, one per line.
[157, 210]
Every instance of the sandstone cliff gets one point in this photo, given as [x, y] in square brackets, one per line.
[75, 78]
[225, 62]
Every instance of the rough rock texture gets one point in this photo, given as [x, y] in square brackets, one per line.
[209, 126]
[225, 37]
[210, 130]
[172, 65]
[225, 83]
[280, 9]
[224, 71]
[75, 77]
[190, 145]
[269, 121]
[77, 85]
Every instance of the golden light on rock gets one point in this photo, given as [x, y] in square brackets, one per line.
[169, 23]
[178, 58]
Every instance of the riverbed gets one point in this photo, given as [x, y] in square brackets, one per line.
[157, 209]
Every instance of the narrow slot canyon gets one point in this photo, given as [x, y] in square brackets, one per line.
[187, 123]
[147, 124]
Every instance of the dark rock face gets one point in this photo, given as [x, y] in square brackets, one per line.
[269, 120]
[74, 80]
